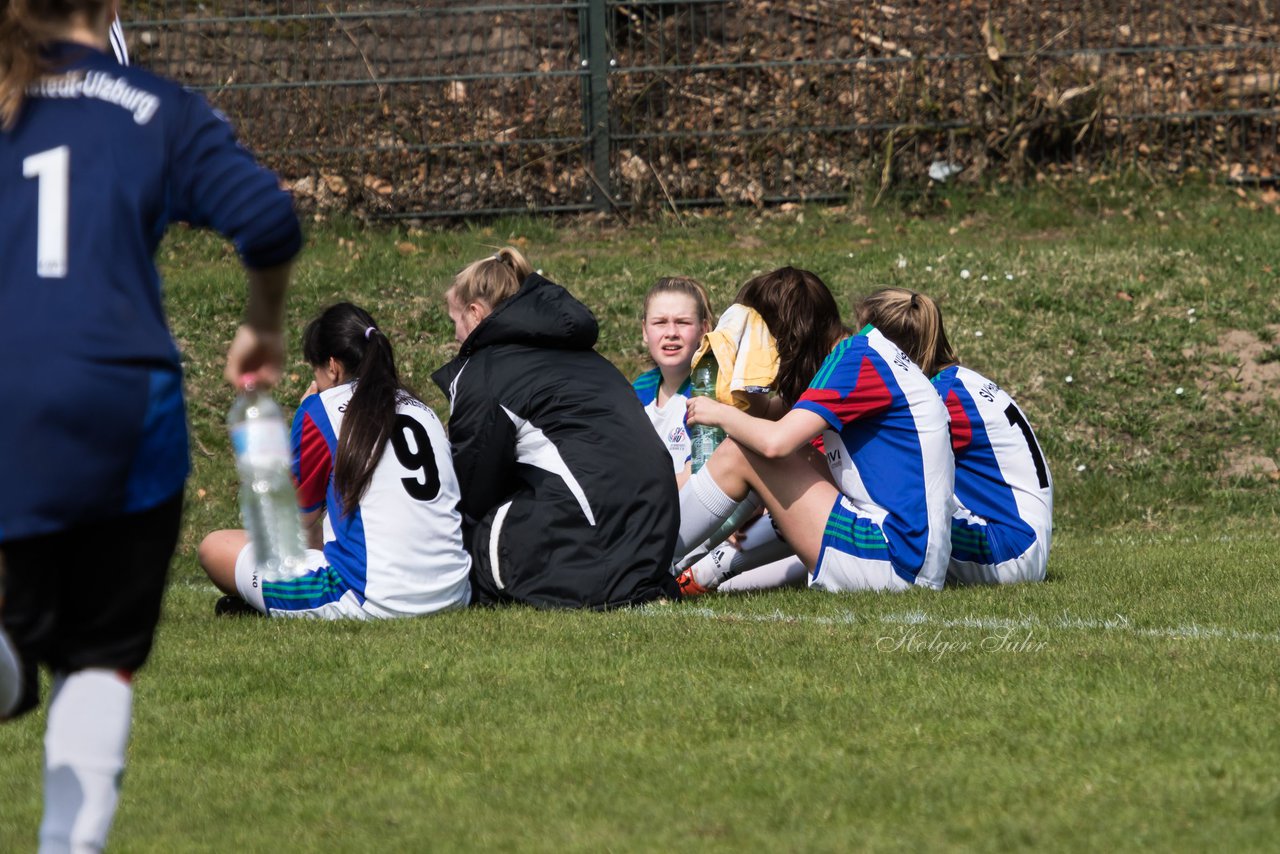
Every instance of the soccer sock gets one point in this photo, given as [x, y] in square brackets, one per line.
[749, 506]
[84, 744]
[763, 537]
[760, 545]
[788, 572]
[745, 510]
[703, 509]
[10, 676]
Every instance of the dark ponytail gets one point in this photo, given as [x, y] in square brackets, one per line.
[349, 334]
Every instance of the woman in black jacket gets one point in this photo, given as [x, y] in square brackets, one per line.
[567, 494]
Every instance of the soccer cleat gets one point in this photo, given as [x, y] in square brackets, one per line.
[689, 585]
[233, 606]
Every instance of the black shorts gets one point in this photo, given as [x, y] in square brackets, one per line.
[88, 596]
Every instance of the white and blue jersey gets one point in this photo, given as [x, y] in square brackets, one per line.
[1002, 529]
[888, 449]
[400, 553]
[102, 158]
[668, 420]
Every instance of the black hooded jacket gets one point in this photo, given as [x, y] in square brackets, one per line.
[566, 488]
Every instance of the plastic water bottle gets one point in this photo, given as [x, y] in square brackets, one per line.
[268, 503]
[704, 438]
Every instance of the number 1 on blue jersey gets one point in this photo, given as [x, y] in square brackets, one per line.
[52, 171]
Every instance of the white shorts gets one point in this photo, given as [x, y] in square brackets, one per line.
[1028, 566]
[854, 554]
[973, 538]
[319, 592]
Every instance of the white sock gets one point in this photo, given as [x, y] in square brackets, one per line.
[745, 510]
[84, 745]
[703, 509]
[788, 572]
[760, 545]
[10, 677]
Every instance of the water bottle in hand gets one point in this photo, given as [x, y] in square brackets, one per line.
[704, 438]
[268, 503]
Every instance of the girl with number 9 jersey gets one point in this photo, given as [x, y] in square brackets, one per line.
[374, 474]
[1001, 530]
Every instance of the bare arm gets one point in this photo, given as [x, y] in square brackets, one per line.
[257, 351]
[767, 438]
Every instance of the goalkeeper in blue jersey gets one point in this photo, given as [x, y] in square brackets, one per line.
[1002, 526]
[95, 160]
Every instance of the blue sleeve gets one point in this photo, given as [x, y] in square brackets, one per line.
[216, 183]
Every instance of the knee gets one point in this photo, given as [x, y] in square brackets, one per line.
[206, 552]
[729, 458]
[217, 554]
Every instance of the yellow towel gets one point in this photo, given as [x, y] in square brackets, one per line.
[746, 353]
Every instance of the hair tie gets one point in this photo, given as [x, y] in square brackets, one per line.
[369, 332]
[497, 256]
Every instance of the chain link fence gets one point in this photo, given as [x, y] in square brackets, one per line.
[447, 109]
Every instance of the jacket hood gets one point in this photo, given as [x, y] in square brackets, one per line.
[540, 314]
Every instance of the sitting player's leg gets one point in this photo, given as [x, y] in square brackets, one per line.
[855, 553]
[317, 590]
[986, 553]
[796, 490]
[218, 553]
[757, 545]
[748, 511]
[788, 572]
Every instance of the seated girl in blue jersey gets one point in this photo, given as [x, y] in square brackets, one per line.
[566, 489]
[376, 486]
[1003, 523]
[676, 314]
[872, 510]
[804, 321]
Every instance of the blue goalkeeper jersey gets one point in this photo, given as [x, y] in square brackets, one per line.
[102, 158]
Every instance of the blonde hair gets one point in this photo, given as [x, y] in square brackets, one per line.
[913, 321]
[491, 280]
[687, 286]
[26, 26]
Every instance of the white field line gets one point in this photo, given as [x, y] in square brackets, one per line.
[910, 619]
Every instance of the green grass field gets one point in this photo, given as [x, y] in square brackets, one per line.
[1129, 702]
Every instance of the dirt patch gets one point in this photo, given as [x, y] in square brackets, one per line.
[1249, 380]
[1245, 464]
[1255, 378]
